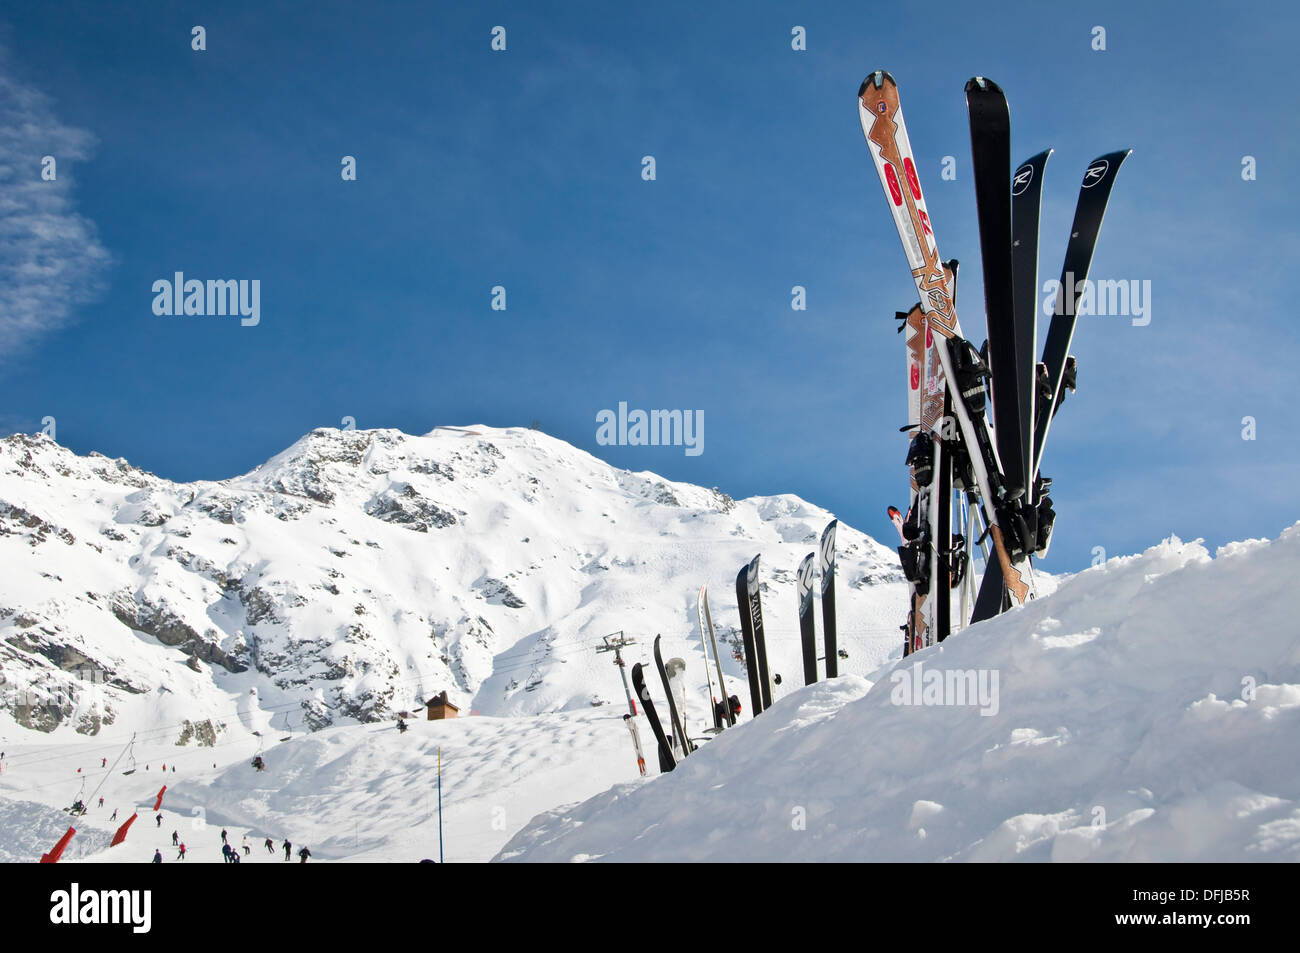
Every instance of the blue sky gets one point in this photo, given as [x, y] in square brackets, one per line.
[523, 169]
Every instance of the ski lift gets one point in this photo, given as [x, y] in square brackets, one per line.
[78, 805]
[131, 753]
[257, 763]
[288, 726]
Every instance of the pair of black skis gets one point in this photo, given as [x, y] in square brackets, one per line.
[671, 749]
[1025, 394]
[807, 625]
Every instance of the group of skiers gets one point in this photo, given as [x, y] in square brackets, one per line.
[231, 854]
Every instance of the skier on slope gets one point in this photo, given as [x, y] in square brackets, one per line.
[160, 820]
[303, 855]
[176, 838]
[247, 850]
[287, 848]
[181, 855]
[157, 857]
[270, 846]
[223, 836]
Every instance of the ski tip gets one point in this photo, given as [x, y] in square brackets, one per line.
[1118, 156]
[1037, 160]
[876, 80]
[982, 84]
[893, 511]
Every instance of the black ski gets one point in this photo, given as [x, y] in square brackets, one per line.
[666, 760]
[990, 141]
[1094, 194]
[807, 627]
[827, 551]
[1026, 205]
[747, 634]
[755, 600]
[683, 743]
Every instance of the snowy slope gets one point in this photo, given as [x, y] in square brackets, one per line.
[358, 573]
[1148, 710]
[357, 793]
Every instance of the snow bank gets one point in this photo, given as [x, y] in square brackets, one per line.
[1147, 710]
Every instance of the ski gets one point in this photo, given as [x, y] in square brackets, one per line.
[681, 744]
[753, 598]
[807, 627]
[1026, 208]
[749, 597]
[676, 669]
[729, 710]
[708, 675]
[990, 143]
[747, 635]
[630, 721]
[1056, 371]
[948, 360]
[666, 759]
[827, 561]
[1094, 195]
[1015, 336]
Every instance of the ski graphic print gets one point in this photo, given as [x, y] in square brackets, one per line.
[881, 116]
[827, 566]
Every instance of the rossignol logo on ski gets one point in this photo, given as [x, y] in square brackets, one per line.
[915, 376]
[1096, 172]
[1024, 176]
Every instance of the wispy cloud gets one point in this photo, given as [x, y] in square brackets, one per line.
[50, 256]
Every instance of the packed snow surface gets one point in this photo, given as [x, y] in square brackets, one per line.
[1148, 710]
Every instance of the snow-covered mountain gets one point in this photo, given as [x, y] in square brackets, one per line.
[358, 573]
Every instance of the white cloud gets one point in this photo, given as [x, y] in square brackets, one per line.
[50, 256]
